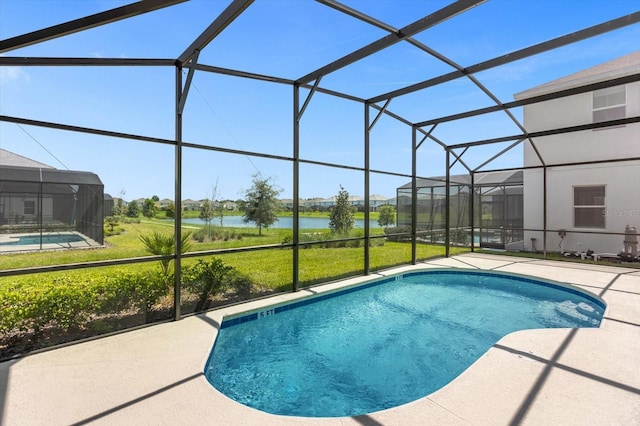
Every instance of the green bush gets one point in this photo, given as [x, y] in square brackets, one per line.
[162, 244]
[133, 290]
[57, 302]
[65, 303]
[459, 236]
[214, 234]
[207, 278]
[324, 240]
[406, 230]
[242, 285]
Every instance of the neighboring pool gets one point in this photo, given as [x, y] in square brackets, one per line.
[382, 344]
[46, 239]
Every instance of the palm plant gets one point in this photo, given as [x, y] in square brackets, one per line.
[162, 244]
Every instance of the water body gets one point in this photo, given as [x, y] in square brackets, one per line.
[283, 222]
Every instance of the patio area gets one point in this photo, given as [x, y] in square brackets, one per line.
[155, 375]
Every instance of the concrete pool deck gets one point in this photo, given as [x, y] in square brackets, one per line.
[537, 377]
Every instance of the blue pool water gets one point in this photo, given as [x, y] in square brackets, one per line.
[46, 239]
[383, 344]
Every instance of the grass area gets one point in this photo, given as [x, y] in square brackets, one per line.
[271, 268]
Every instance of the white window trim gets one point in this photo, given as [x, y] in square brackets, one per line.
[593, 206]
[624, 104]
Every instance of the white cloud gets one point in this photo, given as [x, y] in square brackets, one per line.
[9, 75]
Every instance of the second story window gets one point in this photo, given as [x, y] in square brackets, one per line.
[609, 104]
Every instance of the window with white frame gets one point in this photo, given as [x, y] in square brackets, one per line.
[609, 104]
[29, 207]
[589, 206]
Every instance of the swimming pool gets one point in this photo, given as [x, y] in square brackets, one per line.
[45, 238]
[382, 344]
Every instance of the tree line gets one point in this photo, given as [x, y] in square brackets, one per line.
[260, 206]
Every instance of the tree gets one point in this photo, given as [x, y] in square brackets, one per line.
[112, 222]
[261, 203]
[208, 208]
[341, 218]
[206, 213]
[171, 210]
[149, 208]
[119, 208]
[387, 215]
[155, 198]
[220, 213]
[133, 210]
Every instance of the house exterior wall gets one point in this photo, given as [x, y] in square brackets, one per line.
[620, 179]
[15, 213]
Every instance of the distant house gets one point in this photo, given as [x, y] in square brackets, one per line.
[324, 204]
[287, 203]
[164, 203]
[230, 205]
[375, 201]
[588, 198]
[356, 201]
[190, 204]
[35, 196]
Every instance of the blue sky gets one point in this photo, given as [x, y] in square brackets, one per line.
[285, 38]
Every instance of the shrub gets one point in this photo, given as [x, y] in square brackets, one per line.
[57, 302]
[202, 235]
[242, 285]
[127, 290]
[405, 230]
[324, 240]
[207, 278]
[162, 244]
[459, 236]
[65, 303]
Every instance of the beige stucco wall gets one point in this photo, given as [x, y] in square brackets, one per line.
[621, 179]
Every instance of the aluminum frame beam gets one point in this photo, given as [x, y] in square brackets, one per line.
[555, 43]
[354, 13]
[102, 62]
[223, 20]
[510, 147]
[237, 73]
[551, 132]
[535, 99]
[308, 99]
[85, 23]
[187, 85]
[391, 39]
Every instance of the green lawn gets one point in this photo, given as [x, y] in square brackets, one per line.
[328, 263]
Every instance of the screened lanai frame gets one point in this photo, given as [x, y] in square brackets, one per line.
[373, 109]
[75, 201]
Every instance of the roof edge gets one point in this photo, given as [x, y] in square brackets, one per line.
[620, 67]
